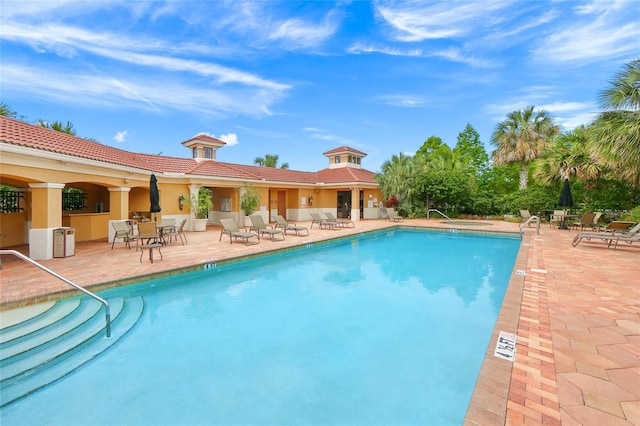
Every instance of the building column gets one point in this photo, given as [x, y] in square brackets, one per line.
[118, 208]
[46, 215]
[355, 204]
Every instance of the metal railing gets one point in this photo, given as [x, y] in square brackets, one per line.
[60, 277]
[437, 211]
[528, 221]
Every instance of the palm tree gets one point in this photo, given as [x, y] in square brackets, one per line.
[397, 177]
[58, 126]
[522, 137]
[568, 155]
[6, 111]
[269, 160]
[615, 135]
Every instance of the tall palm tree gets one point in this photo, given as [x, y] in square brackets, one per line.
[269, 160]
[522, 137]
[568, 155]
[615, 135]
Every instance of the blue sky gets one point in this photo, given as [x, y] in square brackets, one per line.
[297, 79]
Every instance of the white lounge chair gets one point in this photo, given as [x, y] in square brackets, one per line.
[230, 228]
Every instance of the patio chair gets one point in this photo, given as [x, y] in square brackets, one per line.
[230, 228]
[339, 222]
[524, 216]
[586, 221]
[322, 222]
[147, 231]
[383, 213]
[596, 219]
[558, 217]
[281, 222]
[261, 228]
[124, 231]
[608, 233]
[394, 216]
[178, 233]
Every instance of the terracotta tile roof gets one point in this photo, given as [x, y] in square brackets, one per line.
[346, 174]
[343, 149]
[19, 133]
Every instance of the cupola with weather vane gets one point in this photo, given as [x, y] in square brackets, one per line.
[344, 157]
[203, 147]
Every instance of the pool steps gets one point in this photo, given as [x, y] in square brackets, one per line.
[42, 349]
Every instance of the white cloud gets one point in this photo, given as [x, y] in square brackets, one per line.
[229, 138]
[120, 136]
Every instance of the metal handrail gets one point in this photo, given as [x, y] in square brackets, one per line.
[76, 286]
[528, 221]
[438, 211]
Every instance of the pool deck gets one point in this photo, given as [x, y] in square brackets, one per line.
[575, 310]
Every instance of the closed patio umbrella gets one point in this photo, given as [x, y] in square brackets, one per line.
[154, 196]
[566, 200]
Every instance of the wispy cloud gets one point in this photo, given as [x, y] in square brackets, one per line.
[417, 20]
[405, 101]
[600, 31]
[453, 54]
[569, 114]
[321, 134]
[137, 91]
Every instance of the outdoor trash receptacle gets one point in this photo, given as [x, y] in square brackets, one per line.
[64, 242]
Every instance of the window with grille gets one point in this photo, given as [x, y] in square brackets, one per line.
[73, 199]
[11, 201]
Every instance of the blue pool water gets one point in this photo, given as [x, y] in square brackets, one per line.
[385, 329]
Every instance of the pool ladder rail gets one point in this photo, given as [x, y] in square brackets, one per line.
[437, 211]
[72, 284]
[528, 221]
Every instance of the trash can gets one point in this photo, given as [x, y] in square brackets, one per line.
[64, 242]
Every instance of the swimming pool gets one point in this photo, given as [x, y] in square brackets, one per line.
[388, 328]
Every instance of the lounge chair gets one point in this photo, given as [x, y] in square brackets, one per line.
[394, 216]
[322, 222]
[230, 228]
[124, 231]
[177, 233]
[339, 222]
[631, 236]
[586, 221]
[261, 228]
[609, 233]
[281, 222]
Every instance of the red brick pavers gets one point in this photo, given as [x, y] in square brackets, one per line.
[576, 314]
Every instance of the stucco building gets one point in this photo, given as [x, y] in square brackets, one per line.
[110, 184]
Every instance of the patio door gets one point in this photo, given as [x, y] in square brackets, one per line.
[282, 203]
[344, 204]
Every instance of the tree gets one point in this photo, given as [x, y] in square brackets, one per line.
[568, 155]
[397, 178]
[615, 135]
[522, 137]
[470, 151]
[6, 111]
[269, 160]
[58, 126]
